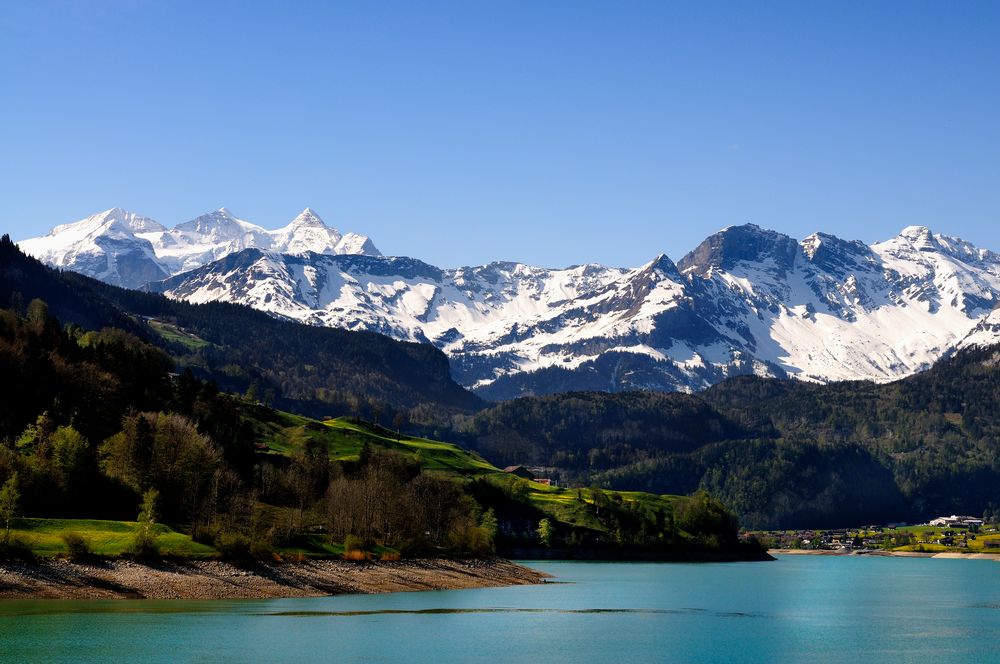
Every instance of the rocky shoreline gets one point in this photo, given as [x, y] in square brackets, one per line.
[211, 579]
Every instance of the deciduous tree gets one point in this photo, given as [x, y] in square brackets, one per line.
[10, 501]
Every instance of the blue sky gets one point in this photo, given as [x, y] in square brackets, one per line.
[547, 132]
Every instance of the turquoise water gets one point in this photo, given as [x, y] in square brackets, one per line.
[798, 608]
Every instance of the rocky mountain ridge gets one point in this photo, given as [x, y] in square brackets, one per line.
[747, 300]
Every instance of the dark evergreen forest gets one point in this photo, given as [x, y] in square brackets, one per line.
[782, 453]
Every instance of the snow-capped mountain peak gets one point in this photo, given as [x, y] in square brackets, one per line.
[307, 217]
[113, 219]
[920, 237]
[129, 220]
[662, 265]
[218, 225]
[306, 232]
[130, 250]
[353, 243]
[105, 245]
[735, 244]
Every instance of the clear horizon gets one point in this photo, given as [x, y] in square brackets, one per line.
[552, 135]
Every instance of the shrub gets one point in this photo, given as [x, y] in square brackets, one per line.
[143, 546]
[261, 547]
[354, 549]
[356, 556]
[353, 543]
[77, 547]
[232, 545]
[16, 549]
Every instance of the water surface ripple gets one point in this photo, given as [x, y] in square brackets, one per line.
[862, 609]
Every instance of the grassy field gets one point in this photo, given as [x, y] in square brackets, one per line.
[103, 538]
[574, 505]
[174, 334]
[44, 538]
[926, 536]
[285, 433]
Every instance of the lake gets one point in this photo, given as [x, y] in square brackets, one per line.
[820, 608]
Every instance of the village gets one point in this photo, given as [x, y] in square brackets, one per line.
[954, 533]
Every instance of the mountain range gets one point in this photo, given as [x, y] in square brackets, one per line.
[127, 249]
[783, 453]
[745, 301]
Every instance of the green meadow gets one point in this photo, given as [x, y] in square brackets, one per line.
[344, 438]
[174, 334]
[103, 538]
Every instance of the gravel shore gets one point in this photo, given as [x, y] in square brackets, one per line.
[125, 579]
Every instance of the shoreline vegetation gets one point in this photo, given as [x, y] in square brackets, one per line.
[215, 579]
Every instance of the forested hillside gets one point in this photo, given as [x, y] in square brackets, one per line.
[781, 452]
[311, 370]
[922, 446]
[579, 431]
[68, 391]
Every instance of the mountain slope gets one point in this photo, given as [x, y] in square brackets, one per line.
[106, 246]
[125, 249]
[312, 370]
[825, 309]
[746, 301]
